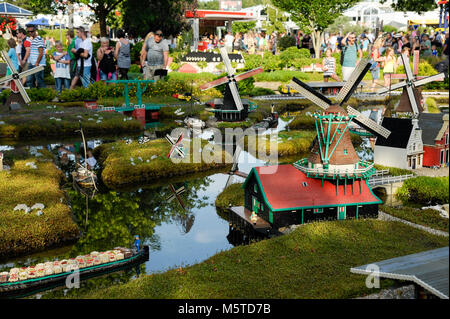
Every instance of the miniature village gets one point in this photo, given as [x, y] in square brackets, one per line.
[212, 185]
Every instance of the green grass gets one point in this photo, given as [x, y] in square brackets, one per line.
[36, 121]
[118, 170]
[288, 143]
[233, 194]
[22, 233]
[427, 217]
[393, 171]
[432, 105]
[313, 261]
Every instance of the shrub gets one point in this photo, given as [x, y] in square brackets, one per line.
[134, 68]
[286, 42]
[203, 64]
[252, 61]
[42, 95]
[174, 66]
[135, 52]
[271, 62]
[425, 190]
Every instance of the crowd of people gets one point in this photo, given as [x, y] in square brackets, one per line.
[78, 64]
[75, 63]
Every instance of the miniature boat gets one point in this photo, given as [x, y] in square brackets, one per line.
[85, 178]
[19, 282]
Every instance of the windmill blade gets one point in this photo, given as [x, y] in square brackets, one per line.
[412, 99]
[31, 71]
[9, 62]
[355, 78]
[22, 91]
[229, 181]
[170, 139]
[368, 124]
[214, 83]
[226, 61]
[416, 62]
[409, 73]
[236, 97]
[428, 79]
[393, 87]
[6, 78]
[225, 79]
[248, 74]
[311, 94]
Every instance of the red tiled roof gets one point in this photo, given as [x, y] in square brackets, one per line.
[187, 68]
[285, 190]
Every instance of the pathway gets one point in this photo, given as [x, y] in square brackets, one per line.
[387, 217]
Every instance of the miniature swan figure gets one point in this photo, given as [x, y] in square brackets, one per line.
[23, 207]
[38, 206]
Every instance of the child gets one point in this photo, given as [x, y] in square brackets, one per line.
[433, 50]
[329, 66]
[12, 55]
[390, 66]
[62, 67]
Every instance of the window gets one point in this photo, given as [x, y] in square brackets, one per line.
[446, 139]
[345, 151]
[318, 210]
[305, 184]
[255, 188]
[339, 131]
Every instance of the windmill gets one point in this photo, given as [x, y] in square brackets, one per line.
[176, 194]
[18, 93]
[343, 96]
[234, 167]
[411, 97]
[231, 107]
[176, 145]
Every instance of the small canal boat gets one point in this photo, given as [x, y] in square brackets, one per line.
[20, 282]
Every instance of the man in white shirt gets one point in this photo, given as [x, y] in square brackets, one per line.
[84, 62]
[229, 39]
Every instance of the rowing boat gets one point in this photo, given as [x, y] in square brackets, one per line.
[26, 281]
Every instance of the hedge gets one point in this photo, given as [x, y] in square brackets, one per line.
[425, 190]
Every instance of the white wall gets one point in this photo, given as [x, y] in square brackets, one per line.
[389, 156]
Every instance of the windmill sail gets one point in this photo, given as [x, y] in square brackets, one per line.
[355, 78]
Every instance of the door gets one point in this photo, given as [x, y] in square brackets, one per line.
[255, 204]
[341, 213]
[413, 163]
[442, 157]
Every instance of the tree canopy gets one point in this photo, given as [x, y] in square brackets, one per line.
[418, 6]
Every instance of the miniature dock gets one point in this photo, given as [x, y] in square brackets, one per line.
[240, 220]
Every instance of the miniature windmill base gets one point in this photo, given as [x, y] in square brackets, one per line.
[405, 102]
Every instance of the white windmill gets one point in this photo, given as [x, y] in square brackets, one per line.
[15, 81]
[231, 107]
[410, 87]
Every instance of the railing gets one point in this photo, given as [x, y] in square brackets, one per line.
[365, 168]
[389, 180]
[381, 172]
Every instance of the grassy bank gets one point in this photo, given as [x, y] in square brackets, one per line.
[313, 261]
[22, 233]
[233, 194]
[393, 171]
[426, 217]
[39, 121]
[149, 162]
[424, 190]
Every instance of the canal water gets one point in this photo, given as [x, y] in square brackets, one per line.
[180, 230]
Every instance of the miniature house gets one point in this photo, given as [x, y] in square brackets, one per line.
[403, 148]
[435, 135]
[330, 184]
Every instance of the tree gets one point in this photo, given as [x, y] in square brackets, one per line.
[418, 6]
[208, 5]
[102, 8]
[41, 6]
[142, 16]
[314, 16]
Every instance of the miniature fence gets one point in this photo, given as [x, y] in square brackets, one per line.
[389, 180]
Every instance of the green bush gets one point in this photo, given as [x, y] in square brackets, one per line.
[174, 66]
[424, 190]
[271, 62]
[202, 64]
[41, 95]
[252, 61]
[134, 68]
[425, 69]
[286, 42]
[135, 52]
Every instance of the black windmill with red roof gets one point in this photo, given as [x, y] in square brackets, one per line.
[331, 183]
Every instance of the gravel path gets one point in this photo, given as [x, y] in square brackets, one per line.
[405, 292]
[427, 171]
[387, 217]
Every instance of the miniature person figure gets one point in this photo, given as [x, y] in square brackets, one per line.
[90, 160]
[434, 51]
[137, 243]
[254, 218]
